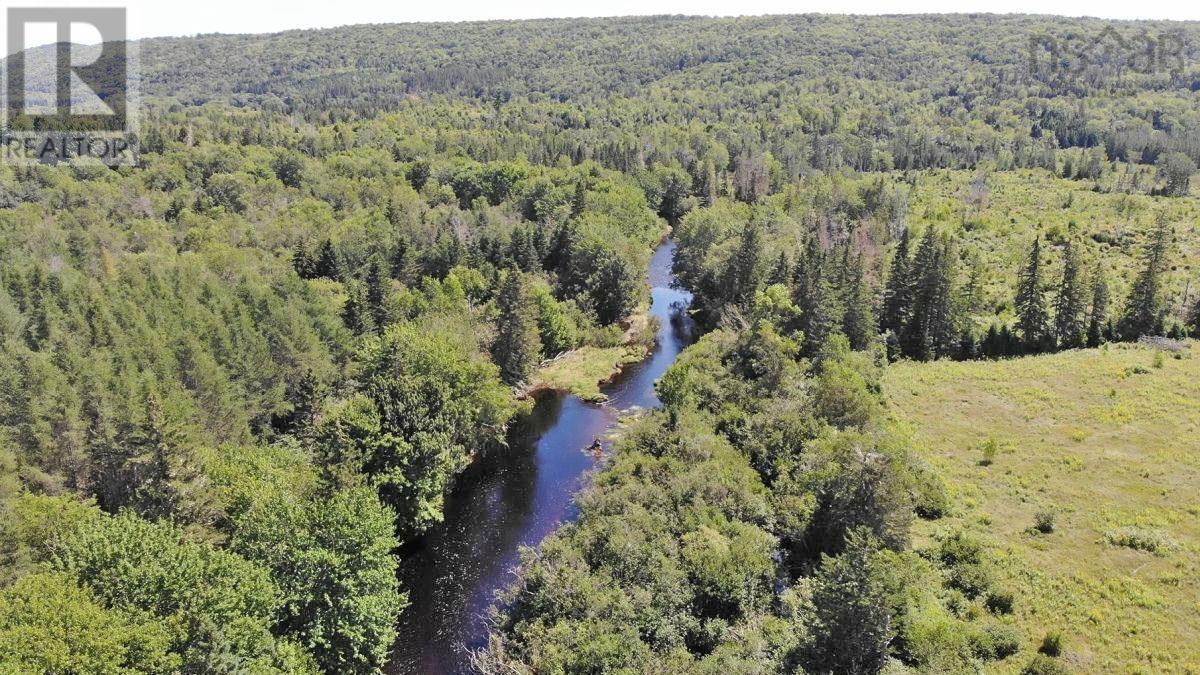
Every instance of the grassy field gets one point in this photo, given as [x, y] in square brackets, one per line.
[1105, 441]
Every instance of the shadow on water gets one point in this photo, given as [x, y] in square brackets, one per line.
[515, 498]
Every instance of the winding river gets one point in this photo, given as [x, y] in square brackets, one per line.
[517, 497]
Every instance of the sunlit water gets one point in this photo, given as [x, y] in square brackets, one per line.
[517, 497]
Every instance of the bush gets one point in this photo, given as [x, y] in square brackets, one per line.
[1052, 644]
[1000, 602]
[995, 642]
[1141, 539]
[1044, 665]
[1043, 521]
[990, 449]
[973, 579]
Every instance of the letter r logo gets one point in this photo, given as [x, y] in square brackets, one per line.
[63, 84]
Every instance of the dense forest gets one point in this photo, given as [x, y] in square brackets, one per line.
[237, 379]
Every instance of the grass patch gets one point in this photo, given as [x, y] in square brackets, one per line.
[583, 370]
[1108, 441]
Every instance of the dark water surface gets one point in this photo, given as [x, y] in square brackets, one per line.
[515, 498]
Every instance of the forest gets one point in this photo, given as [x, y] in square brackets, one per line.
[239, 380]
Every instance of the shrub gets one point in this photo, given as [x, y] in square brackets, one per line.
[1044, 665]
[990, 449]
[1141, 539]
[1043, 521]
[1052, 644]
[1000, 602]
[973, 579]
[995, 642]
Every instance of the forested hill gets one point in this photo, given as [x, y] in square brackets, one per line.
[816, 92]
[370, 67]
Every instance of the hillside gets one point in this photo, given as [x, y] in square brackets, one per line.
[1106, 440]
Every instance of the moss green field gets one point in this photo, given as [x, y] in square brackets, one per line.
[1108, 442]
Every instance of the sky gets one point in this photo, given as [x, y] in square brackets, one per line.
[154, 18]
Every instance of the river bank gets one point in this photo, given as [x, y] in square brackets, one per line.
[506, 501]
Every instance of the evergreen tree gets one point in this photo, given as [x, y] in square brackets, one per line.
[708, 190]
[1144, 308]
[153, 469]
[858, 321]
[814, 298]
[302, 262]
[1098, 316]
[376, 294]
[897, 294]
[579, 200]
[853, 626]
[522, 251]
[932, 325]
[356, 314]
[398, 262]
[517, 346]
[327, 264]
[781, 272]
[1032, 321]
[743, 274]
[1070, 312]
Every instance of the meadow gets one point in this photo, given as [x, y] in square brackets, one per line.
[1081, 470]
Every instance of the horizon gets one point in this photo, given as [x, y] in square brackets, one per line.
[133, 37]
[150, 20]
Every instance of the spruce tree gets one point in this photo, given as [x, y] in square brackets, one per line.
[517, 347]
[814, 297]
[1144, 308]
[1032, 320]
[327, 264]
[897, 295]
[853, 626]
[781, 272]
[1070, 313]
[356, 315]
[376, 295]
[398, 261]
[743, 274]
[302, 262]
[932, 324]
[1098, 316]
[858, 321]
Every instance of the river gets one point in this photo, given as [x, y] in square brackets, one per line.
[516, 497]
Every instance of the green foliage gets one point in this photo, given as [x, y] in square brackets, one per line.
[1052, 644]
[1144, 309]
[330, 555]
[1032, 318]
[50, 624]
[428, 403]
[517, 347]
[853, 625]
